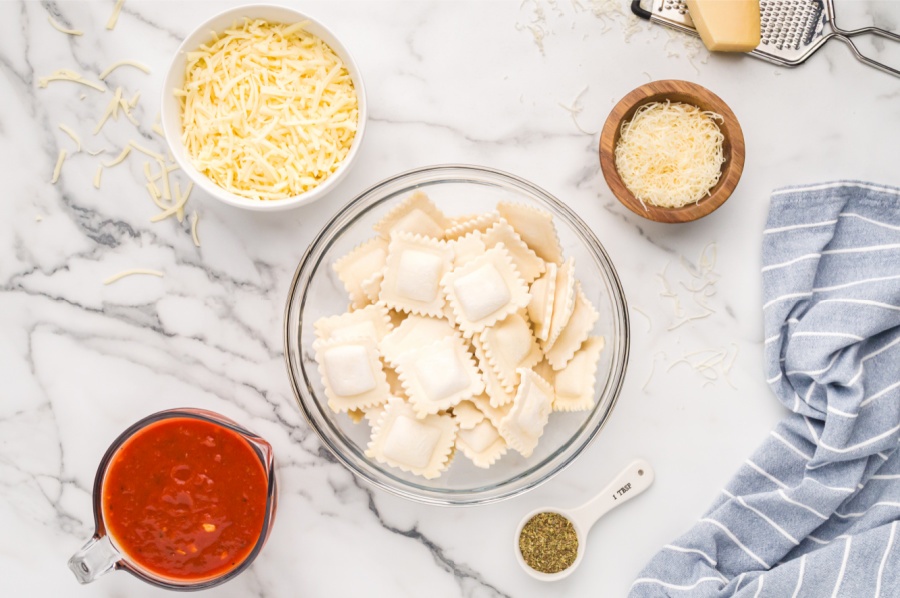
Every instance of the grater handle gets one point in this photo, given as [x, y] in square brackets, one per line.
[639, 10]
[854, 32]
[863, 58]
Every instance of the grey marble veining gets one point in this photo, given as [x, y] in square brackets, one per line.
[447, 82]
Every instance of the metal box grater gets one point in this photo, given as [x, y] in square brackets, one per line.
[790, 30]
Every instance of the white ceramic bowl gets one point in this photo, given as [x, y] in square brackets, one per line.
[171, 111]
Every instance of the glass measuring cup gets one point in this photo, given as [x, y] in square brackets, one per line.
[103, 553]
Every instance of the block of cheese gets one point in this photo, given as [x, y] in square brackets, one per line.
[726, 25]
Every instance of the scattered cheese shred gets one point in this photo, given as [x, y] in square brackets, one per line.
[71, 134]
[58, 168]
[164, 174]
[157, 128]
[68, 75]
[138, 65]
[118, 159]
[145, 151]
[131, 272]
[59, 27]
[112, 109]
[114, 17]
[269, 111]
[670, 154]
[97, 176]
[177, 209]
[195, 218]
[643, 313]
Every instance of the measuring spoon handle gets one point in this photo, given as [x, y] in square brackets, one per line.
[631, 481]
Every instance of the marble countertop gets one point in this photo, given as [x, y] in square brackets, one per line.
[469, 82]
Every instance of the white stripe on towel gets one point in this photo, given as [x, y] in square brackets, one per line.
[869, 220]
[884, 559]
[735, 540]
[765, 473]
[763, 516]
[834, 185]
[840, 578]
[790, 446]
[799, 577]
[807, 256]
[672, 586]
[848, 449]
[800, 504]
[782, 229]
[708, 558]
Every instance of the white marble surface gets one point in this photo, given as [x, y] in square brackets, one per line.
[447, 82]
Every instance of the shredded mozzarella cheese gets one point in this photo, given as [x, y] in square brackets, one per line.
[114, 17]
[59, 162]
[131, 272]
[115, 65]
[68, 75]
[71, 134]
[59, 27]
[269, 111]
[670, 154]
[195, 218]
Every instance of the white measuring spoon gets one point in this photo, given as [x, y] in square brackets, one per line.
[630, 482]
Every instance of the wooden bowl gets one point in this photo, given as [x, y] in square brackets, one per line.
[688, 93]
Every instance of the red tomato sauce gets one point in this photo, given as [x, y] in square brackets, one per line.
[185, 499]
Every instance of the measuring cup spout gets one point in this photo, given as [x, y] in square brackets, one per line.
[97, 557]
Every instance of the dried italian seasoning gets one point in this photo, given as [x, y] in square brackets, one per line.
[548, 543]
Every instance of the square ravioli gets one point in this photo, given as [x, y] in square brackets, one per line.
[416, 215]
[524, 425]
[575, 384]
[422, 446]
[372, 322]
[536, 228]
[482, 444]
[471, 224]
[412, 334]
[563, 302]
[438, 376]
[358, 266]
[493, 387]
[509, 345]
[527, 262]
[352, 374]
[540, 307]
[578, 328]
[413, 271]
[485, 290]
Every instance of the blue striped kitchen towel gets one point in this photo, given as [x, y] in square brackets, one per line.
[813, 513]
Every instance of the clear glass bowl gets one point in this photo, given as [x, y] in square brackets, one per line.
[316, 292]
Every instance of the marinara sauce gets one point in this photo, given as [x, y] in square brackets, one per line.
[185, 499]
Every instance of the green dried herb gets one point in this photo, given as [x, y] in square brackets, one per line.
[548, 543]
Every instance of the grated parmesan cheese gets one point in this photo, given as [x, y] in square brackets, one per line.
[269, 111]
[670, 154]
[97, 176]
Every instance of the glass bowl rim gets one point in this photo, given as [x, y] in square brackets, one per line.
[358, 206]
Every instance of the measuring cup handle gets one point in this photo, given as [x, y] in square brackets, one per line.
[97, 557]
[633, 480]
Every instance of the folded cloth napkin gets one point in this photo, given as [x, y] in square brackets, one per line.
[814, 511]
